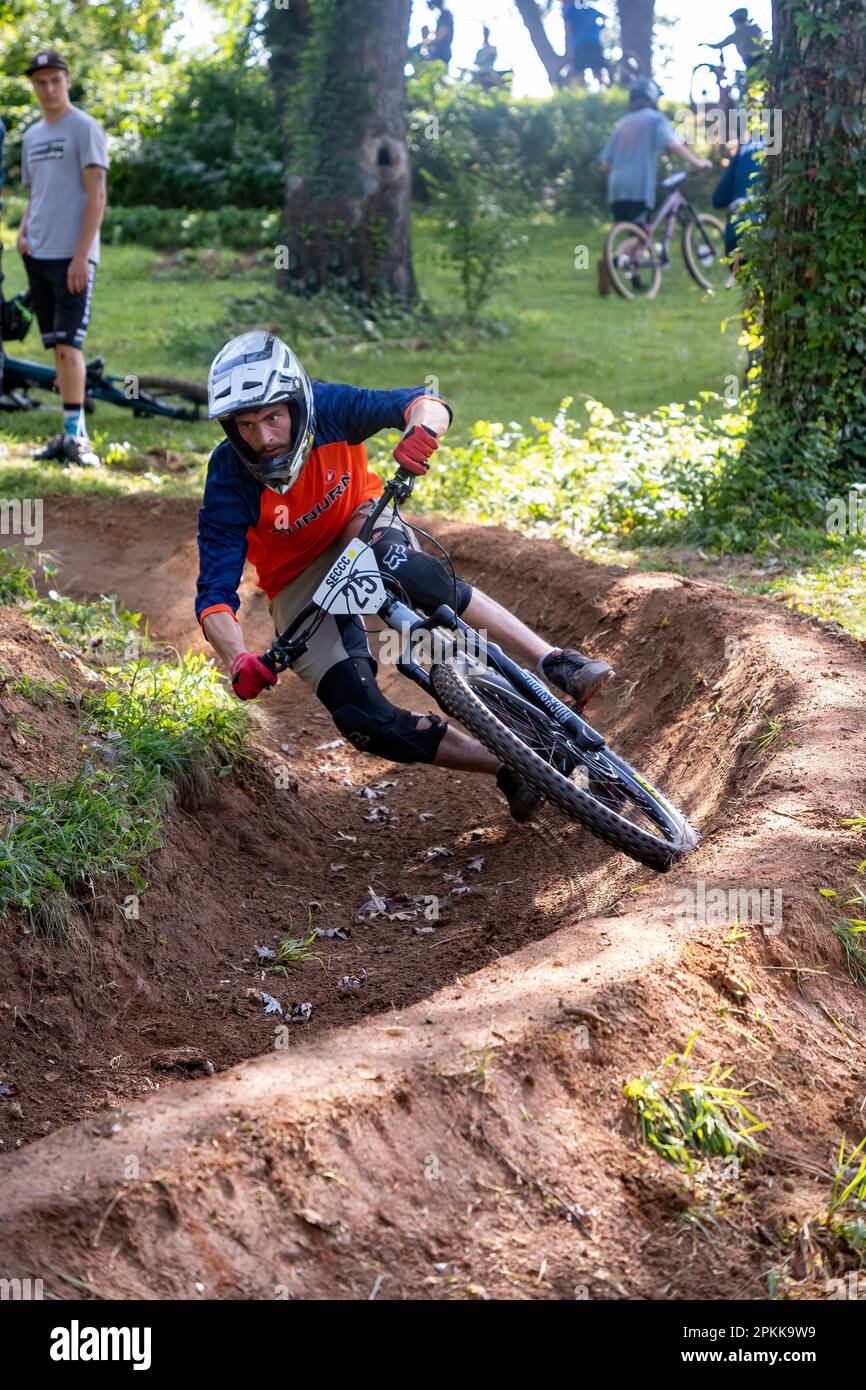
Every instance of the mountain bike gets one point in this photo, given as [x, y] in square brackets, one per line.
[508, 709]
[634, 260]
[143, 395]
[711, 89]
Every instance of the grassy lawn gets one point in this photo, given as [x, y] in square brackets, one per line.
[550, 335]
[547, 335]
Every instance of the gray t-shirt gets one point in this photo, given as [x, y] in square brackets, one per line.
[53, 156]
[633, 149]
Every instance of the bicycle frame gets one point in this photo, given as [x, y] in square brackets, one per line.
[675, 208]
[292, 642]
[22, 376]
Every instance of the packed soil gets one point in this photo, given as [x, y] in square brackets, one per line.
[454, 1127]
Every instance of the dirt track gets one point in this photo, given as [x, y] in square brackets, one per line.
[389, 1135]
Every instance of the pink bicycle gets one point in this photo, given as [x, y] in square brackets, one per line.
[635, 260]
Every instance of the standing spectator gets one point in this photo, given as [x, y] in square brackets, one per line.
[440, 45]
[583, 26]
[64, 162]
[485, 58]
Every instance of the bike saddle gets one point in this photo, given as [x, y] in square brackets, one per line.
[674, 180]
[95, 364]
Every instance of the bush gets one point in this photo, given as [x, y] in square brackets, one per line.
[219, 142]
[678, 476]
[181, 228]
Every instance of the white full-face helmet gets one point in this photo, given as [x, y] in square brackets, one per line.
[254, 370]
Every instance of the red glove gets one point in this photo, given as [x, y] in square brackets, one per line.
[249, 676]
[416, 446]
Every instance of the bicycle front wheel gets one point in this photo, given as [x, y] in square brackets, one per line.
[634, 268]
[596, 788]
[704, 251]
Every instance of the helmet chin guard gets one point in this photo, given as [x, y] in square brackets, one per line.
[250, 372]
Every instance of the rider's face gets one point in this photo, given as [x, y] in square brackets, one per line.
[268, 431]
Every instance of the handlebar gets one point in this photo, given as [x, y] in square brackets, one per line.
[286, 647]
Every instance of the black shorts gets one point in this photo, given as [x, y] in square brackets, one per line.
[629, 210]
[62, 317]
[588, 54]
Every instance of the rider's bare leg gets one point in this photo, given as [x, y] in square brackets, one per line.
[485, 614]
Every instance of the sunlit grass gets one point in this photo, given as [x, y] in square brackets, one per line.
[682, 1117]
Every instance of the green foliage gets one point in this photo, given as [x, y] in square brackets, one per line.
[176, 719]
[16, 578]
[850, 929]
[680, 1117]
[163, 733]
[177, 227]
[73, 837]
[846, 1212]
[102, 629]
[527, 145]
[218, 143]
[808, 280]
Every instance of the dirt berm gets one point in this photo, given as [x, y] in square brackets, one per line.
[455, 1127]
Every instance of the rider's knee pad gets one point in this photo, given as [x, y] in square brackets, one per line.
[370, 722]
[424, 577]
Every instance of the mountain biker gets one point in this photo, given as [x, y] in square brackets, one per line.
[288, 488]
[64, 161]
[747, 38]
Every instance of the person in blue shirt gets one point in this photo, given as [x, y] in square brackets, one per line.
[583, 26]
[2, 355]
[741, 181]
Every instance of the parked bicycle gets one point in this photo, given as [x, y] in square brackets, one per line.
[144, 395]
[508, 709]
[635, 260]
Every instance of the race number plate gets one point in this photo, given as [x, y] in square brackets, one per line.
[353, 584]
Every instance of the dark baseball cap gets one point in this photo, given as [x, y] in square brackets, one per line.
[47, 58]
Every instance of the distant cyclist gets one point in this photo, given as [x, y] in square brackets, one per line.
[631, 153]
[631, 156]
[747, 38]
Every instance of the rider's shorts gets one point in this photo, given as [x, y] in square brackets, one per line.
[336, 636]
[62, 316]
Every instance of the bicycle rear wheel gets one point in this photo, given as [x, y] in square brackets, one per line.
[170, 395]
[704, 251]
[634, 267]
[599, 789]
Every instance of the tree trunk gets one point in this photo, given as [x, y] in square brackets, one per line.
[808, 260]
[347, 206]
[636, 31]
[553, 61]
